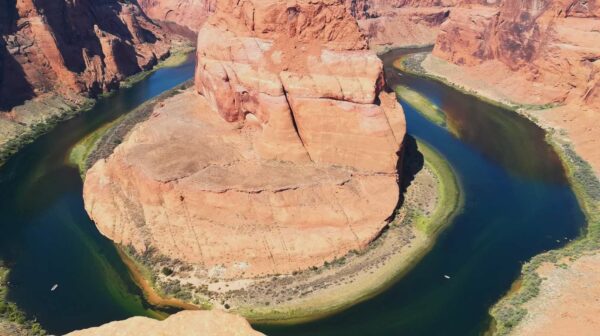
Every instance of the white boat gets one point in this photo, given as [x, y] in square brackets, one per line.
[54, 287]
[447, 276]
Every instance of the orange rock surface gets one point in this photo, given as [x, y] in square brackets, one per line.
[188, 13]
[287, 159]
[568, 303]
[395, 23]
[71, 47]
[534, 53]
[185, 323]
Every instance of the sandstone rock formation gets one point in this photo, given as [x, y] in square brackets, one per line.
[386, 23]
[287, 159]
[70, 47]
[188, 13]
[185, 323]
[394, 23]
[534, 52]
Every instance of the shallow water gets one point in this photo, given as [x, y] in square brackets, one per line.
[47, 237]
[517, 204]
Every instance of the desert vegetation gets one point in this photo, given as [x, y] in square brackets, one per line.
[11, 314]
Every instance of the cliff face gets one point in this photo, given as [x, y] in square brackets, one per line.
[189, 323]
[287, 158]
[384, 22]
[188, 13]
[553, 43]
[534, 52]
[70, 47]
[393, 23]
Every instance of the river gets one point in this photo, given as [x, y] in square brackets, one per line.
[517, 204]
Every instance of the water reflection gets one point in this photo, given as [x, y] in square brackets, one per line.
[513, 142]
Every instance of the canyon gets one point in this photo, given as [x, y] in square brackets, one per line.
[540, 55]
[55, 55]
[188, 13]
[385, 23]
[73, 47]
[400, 23]
[541, 58]
[283, 157]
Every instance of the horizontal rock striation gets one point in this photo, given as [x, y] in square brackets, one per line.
[72, 47]
[287, 159]
[189, 13]
[401, 23]
[534, 52]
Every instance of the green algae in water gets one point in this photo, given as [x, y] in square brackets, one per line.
[517, 203]
[47, 237]
[422, 104]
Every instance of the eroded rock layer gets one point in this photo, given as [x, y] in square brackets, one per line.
[188, 323]
[188, 13]
[394, 23]
[70, 47]
[287, 158]
[534, 52]
[404, 23]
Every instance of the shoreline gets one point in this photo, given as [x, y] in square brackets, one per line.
[385, 264]
[65, 108]
[368, 283]
[60, 111]
[136, 271]
[508, 312]
[315, 293]
[13, 321]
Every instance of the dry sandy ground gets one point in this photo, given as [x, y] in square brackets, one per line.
[569, 298]
[12, 329]
[568, 303]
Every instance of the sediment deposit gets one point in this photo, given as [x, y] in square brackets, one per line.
[284, 157]
[538, 55]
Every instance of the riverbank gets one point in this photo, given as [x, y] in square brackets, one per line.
[38, 116]
[101, 143]
[431, 198]
[572, 119]
[55, 112]
[511, 312]
[12, 320]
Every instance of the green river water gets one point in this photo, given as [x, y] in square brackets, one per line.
[517, 204]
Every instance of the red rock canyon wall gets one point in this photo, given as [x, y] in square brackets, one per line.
[72, 47]
[535, 52]
[188, 13]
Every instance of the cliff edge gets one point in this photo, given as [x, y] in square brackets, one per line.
[284, 156]
[188, 323]
[539, 55]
